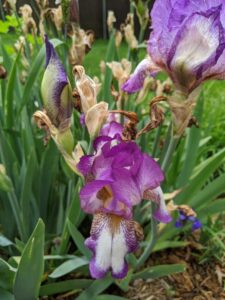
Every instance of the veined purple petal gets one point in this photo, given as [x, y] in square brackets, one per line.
[145, 68]
[111, 239]
[55, 88]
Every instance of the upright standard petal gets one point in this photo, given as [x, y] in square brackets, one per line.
[112, 237]
[55, 88]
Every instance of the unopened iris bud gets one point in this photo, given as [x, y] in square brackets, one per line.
[57, 97]
[55, 88]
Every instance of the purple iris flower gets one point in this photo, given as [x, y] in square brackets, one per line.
[184, 218]
[118, 176]
[187, 41]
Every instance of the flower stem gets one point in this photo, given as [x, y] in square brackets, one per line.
[169, 153]
[152, 241]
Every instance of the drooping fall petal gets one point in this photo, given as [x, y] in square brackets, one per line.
[112, 237]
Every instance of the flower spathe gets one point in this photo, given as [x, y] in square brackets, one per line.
[118, 176]
[55, 88]
[188, 42]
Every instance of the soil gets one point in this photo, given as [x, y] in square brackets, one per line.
[198, 282]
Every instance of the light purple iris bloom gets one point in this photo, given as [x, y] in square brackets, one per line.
[55, 88]
[187, 41]
[118, 176]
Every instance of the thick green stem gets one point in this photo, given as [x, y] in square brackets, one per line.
[169, 153]
[152, 241]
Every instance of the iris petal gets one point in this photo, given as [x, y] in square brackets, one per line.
[112, 238]
[145, 68]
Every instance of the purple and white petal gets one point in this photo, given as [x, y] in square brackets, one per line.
[112, 129]
[100, 243]
[161, 213]
[112, 238]
[145, 68]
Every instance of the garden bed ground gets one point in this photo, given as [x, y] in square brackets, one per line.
[198, 282]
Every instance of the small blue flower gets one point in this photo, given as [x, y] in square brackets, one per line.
[184, 218]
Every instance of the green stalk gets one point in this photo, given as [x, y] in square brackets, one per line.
[152, 241]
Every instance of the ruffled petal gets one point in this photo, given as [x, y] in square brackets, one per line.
[145, 68]
[55, 88]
